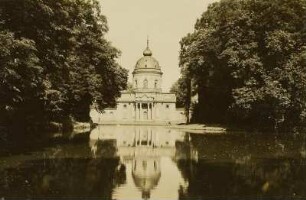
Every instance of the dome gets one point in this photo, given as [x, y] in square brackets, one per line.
[147, 61]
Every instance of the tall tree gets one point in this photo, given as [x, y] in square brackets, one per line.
[247, 57]
[78, 63]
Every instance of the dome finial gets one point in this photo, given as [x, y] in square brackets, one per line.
[147, 51]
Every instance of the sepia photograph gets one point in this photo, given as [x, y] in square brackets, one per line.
[153, 99]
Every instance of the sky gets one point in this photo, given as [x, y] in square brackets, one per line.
[165, 22]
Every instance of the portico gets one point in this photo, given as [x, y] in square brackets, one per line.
[144, 111]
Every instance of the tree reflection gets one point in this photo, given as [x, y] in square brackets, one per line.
[226, 169]
[63, 176]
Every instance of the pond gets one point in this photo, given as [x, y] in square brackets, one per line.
[155, 162]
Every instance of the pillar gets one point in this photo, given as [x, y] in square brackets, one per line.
[141, 112]
[136, 111]
[151, 107]
[148, 110]
[155, 111]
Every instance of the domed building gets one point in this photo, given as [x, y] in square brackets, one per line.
[145, 102]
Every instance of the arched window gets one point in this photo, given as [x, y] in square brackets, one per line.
[135, 83]
[145, 83]
[155, 84]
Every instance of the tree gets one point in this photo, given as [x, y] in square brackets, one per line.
[182, 89]
[179, 88]
[246, 57]
[78, 63]
[21, 85]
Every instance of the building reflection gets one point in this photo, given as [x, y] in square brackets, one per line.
[141, 149]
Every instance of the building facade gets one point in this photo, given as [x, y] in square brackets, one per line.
[145, 102]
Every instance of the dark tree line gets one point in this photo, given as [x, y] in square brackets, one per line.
[247, 60]
[54, 61]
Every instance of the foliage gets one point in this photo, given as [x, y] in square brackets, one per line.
[179, 88]
[247, 58]
[21, 85]
[67, 47]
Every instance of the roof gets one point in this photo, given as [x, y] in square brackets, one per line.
[147, 62]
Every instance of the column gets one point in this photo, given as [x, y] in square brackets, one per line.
[155, 111]
[148, 110]
[152, 111]
[136, 111]
[140, 109]
[151, 107]
[136, 108]
[141, 112]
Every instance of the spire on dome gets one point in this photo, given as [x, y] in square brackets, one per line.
[147, 51]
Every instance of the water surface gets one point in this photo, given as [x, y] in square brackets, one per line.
[142, 162]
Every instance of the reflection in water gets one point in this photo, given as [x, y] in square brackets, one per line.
[148, 155]
[126, 162]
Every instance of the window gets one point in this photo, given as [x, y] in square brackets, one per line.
[135, 83]
[155, 84]
[145, 83]
[124, 106]
[167, 106]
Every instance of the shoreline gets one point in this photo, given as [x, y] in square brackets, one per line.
[191, 128]
[200, 128]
